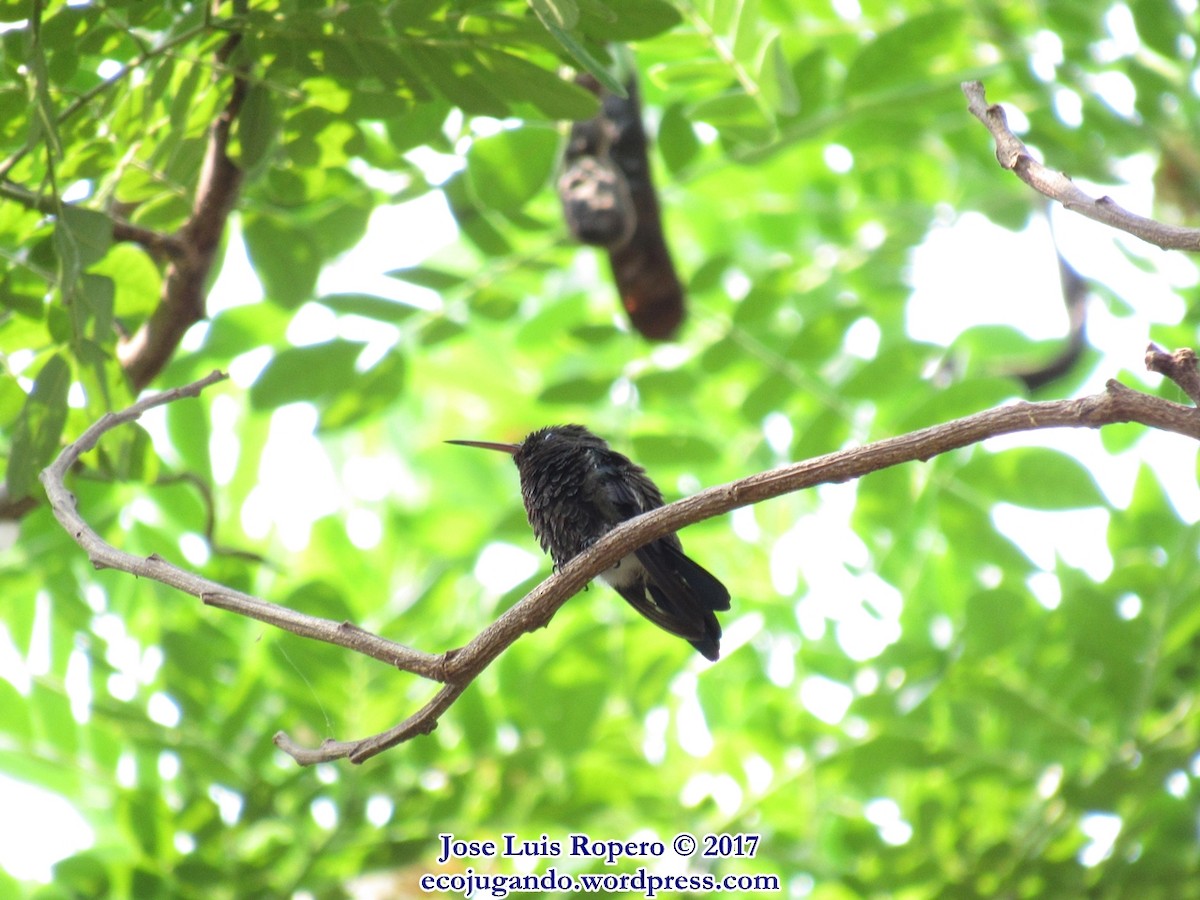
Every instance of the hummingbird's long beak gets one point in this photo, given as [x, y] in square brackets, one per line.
[510, 449]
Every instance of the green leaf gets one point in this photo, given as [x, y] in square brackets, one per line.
[987, 343]
[257, 126]
[673, 450]
[13, 11]
[470, 217]
[905, 54]
[376, 390]
[90, 230]
[677, 141]
[663, 385]
[12, 400]
[286, 260]
[736, 115]
[241, 328]
[563, 13]
[1118, 438]
[744, 27]
[36, 435]
[555, 96]
[627, 20]
[697, 76]
[83, 875]
[995, 620]
[963, 398]
[443, 68]
[368, 306]
[191, 435]
[20, 297]
[439, 329]
[409, 13]
[494, 302]
[1150, 521]
[428, 277]
[92, 308]
[419, 126]
[775, 79]
[1034, 477]
[810, 75]
[310, 373]
[507, 169]
[1158, 25]
[137, 280]
[43, 122]
[576, 50]
[81, 238]
[15, 722]
[576, 390]
[9, 886]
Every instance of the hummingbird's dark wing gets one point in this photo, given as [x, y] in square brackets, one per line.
[674, 592]
[686, 592]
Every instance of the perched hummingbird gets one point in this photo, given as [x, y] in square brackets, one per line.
[576, 489]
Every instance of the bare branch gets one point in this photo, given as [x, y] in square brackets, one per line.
[456, 669]
[1012, 154]
[182, 302]
[159, 245]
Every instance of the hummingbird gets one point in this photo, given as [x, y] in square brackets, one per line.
[576, 489]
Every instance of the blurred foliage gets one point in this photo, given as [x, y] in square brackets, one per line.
[908, 704]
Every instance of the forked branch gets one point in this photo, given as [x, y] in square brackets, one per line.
[189, 252]
[1012, 154]
[183, 300]
[456, 669]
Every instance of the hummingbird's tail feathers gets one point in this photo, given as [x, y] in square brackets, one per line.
[709, 647]
[651, 605]
[699, 627]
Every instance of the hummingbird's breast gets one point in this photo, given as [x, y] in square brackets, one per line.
[559, 491]
[576, 489]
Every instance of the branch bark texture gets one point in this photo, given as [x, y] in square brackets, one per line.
[194, 247]
[455, 669]
[1013, 155]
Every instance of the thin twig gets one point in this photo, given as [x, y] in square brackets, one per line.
[104, 556]
[1012, 154]
[1179, 366]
